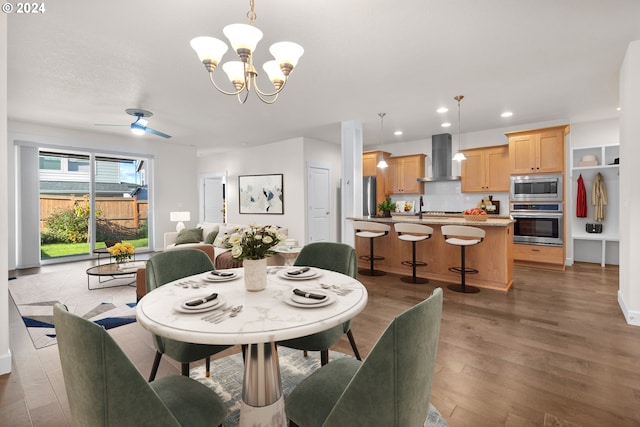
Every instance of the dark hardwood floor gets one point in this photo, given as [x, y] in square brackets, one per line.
[553, 351]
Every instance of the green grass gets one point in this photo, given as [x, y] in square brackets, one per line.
[56, 250]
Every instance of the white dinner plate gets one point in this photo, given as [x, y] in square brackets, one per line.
[311, 274]
[212, 278]
[302, 302]
[208, 306]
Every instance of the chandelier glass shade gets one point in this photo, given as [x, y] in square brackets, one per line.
[242, 74]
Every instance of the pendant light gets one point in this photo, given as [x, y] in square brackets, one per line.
[459, 155]
[382, 163]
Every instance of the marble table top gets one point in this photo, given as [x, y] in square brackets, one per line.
[265, 316]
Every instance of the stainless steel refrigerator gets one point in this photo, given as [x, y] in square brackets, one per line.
[369, 196]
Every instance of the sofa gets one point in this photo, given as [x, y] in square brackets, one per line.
[209, 233]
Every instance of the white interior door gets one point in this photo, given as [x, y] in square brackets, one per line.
[213, 199]
[319, 198]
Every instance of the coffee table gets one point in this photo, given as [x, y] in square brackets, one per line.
[109, 272]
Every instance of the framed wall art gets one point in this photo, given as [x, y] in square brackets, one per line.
[261, 194]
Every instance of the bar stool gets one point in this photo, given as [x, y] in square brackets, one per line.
[371, 230]
[463, 236]
[413, 233]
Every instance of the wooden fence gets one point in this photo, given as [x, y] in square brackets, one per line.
[127, 212]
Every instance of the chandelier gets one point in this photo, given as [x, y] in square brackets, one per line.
[242, 74]
[459, 155]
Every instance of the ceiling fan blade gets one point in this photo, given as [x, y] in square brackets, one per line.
[156, 132]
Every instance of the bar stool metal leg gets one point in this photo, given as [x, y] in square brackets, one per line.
[413, 264]
[463, 270]
[371, 257]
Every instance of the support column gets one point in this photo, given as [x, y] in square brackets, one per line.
[351, 177]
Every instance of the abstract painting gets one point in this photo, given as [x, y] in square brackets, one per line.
[261, 194]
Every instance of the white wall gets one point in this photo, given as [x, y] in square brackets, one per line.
[285, 157]
[629, 293]
[174, 184]
[5, 353]
[327, 153]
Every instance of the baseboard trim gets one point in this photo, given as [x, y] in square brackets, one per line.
[5, 363]
[632, 317]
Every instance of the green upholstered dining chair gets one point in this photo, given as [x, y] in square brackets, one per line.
[105, 389]
[391, 387]
[166, 267]
[335, 257]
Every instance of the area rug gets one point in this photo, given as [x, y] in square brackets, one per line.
[35, 296]
[226, 380]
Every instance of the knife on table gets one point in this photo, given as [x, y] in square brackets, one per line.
[308, 294]
[300, 271]
[200, 301]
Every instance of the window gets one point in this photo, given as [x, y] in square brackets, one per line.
[50, 163]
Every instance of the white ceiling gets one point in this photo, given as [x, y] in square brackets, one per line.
[83, 62]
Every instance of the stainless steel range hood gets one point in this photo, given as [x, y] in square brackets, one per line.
[440, 159]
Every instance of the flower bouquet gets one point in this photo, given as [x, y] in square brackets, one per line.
[253, 242]
[122, 251]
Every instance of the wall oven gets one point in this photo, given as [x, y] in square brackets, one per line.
[538, 223]
[543, 188]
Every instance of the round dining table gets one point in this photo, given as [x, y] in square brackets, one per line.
[256, 319]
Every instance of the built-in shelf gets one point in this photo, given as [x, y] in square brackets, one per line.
[583, 242]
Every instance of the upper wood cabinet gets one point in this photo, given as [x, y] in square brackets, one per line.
[370, 161]
[486, 169]
[537, 151]
[403, 173]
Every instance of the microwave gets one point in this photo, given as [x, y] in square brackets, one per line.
[536, 188]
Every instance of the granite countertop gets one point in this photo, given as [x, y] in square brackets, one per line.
[492, 221]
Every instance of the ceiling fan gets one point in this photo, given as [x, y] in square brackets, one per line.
[139, 126]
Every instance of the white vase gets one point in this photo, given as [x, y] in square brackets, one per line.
[255, 274]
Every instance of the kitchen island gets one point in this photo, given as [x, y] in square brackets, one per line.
[493, 257]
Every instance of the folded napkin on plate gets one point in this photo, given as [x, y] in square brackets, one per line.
[297, 272]
[221, 273]
[308, 294]
[199, 301]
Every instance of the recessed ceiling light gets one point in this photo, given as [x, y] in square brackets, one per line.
[442, 110]
[618, 108]
[506, 114]
[398, 133]
[446, 125]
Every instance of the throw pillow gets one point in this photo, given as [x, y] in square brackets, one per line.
[192, 235]
[211, 237]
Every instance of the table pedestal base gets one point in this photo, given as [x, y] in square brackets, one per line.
[267, 416]
[262, 399]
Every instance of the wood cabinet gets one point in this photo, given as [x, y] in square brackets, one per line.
[551, 257]
[486, 169]
[537, 151]
[493, 257]
[403, 173]
[370, 161]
